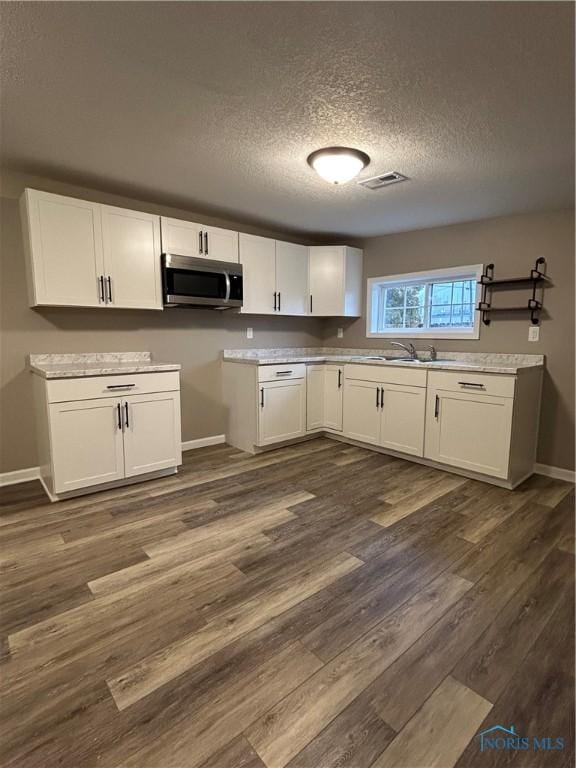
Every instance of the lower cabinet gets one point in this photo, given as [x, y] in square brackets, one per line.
[281, 410]
[467, 426]
[106, 434]
[391, 415]
[324, 397]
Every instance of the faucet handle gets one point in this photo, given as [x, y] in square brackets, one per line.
[432, 349]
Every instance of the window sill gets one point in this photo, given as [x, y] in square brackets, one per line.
[416, 333]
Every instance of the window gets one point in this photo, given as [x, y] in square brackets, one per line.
[436, 304]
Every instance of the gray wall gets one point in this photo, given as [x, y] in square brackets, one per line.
[513, 243]
[193, 338]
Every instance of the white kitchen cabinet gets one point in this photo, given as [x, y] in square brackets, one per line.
[98, 430]
[63, 240]
[188, 238]
[333, 397]
[291, 278]
[282, 410]
[324, 384]
[386, 407]
[87, 445]
[258, 259]
[151, 432]
[335, 281]
[85, 254]
[275, 276]
[361, 411]
[131, 243]
[402, 418]
[468, 428]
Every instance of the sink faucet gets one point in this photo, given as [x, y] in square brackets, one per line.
[433, 353]
[410, 348]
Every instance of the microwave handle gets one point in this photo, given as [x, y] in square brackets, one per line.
[227, 276]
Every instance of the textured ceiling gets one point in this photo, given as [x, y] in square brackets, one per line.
[215, 106]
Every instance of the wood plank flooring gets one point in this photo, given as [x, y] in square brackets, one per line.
[318, 606]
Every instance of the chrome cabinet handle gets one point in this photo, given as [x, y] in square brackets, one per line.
[101, 295]
[436, 407]
[473, 384]
[119, 416]
[200, 242]
[109, 284]
[126, 421]
[275, 301]
[205, 243]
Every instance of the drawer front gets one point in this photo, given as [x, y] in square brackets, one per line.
[384, 374]
[280, 372]
[480, 383]
[64, 390]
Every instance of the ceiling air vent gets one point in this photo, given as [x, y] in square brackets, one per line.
[383, 180]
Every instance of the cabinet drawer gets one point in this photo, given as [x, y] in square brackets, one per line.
[279, 372]
[64, 390]
[481, 383]
[384, 374]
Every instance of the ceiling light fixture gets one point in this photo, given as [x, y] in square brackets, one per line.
[338, 164]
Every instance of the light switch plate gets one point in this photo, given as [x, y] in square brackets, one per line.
[340, 333]
[249, 333]
[534, 333]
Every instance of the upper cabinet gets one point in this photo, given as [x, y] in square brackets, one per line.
[84, 254]
[186, 238]
[275, 276]
[335, 281]
[131, 243]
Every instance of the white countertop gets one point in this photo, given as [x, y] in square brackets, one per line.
[79, 365]
[511, 364]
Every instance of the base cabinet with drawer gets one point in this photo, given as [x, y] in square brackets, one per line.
[470, 421]
[100, 430]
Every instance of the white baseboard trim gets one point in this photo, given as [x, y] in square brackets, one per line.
[19, 476]
[33, 473]
[203, 442]
[557, 473]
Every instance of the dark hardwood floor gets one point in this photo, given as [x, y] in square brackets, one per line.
[319, 606]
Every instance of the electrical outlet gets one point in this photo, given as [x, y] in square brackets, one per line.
[534, 333]
[249, 333]
[340, 333]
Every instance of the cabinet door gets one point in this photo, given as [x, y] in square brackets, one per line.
[183, 238]
[86, 440]
[469, 431]
[403, 418]
[258, 257]
[220, 244]
[292, 278]
[281, 411]
[333, 397]
[65, 249]
[361, 414]
[327, 276]
[315, 397]
[152, 438]
[132, 258]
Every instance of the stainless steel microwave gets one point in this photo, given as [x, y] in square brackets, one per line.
[192, 282]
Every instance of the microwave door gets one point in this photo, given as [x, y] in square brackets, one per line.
[191, 286]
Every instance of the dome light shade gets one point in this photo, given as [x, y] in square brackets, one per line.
[338, 165]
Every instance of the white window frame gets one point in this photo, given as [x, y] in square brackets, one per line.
[468, 272]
